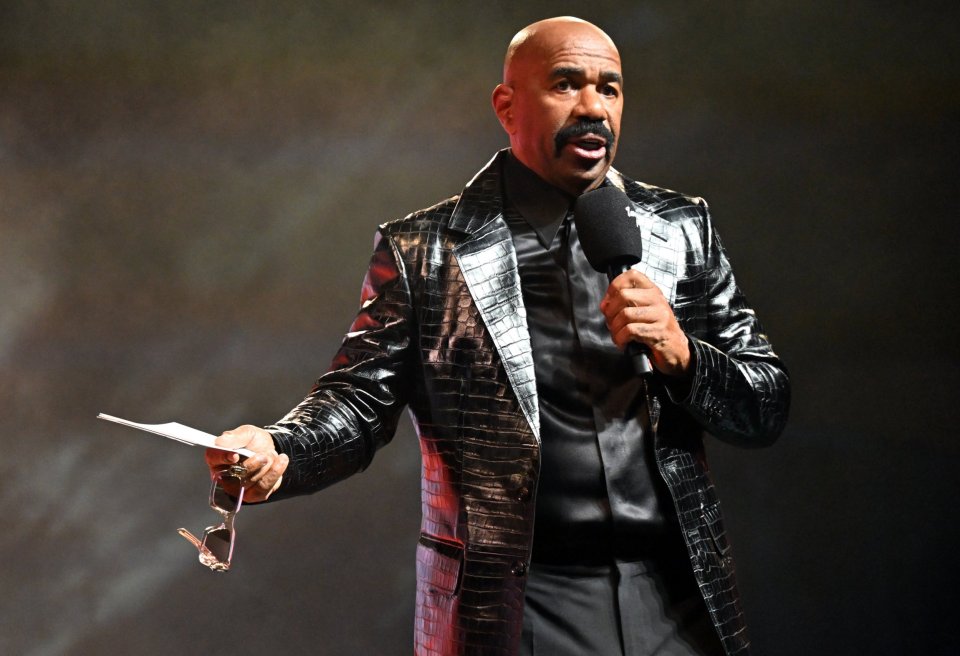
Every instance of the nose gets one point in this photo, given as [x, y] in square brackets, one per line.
[589, 104]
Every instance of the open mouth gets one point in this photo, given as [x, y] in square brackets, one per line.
[589, 146]
[589, 141]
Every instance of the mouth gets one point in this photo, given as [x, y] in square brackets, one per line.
[590, 142]
[589, 146]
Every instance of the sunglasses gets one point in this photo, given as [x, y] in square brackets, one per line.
[216, 547]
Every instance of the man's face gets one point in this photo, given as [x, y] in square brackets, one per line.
[561, 104]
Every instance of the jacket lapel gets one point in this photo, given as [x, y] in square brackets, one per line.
[488, 263]
[664, 253]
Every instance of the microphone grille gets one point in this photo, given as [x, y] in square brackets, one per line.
[608, 234]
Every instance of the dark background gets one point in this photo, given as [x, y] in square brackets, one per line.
[188, 195]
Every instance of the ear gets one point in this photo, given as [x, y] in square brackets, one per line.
[503, 106]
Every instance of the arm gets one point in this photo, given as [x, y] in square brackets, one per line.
[715, 359]
[353, 409]
[740, 390]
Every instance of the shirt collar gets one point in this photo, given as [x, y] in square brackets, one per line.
[541, 205]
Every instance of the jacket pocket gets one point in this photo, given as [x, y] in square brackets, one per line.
[439, 566]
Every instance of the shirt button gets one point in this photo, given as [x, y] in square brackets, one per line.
[519, 568]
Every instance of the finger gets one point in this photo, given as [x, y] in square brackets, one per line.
[219, 457]
[236, 438]
[268, 479]
[624, 334]
[259, 466]
[278, 465]
[647, 316]
[634, 332]
[620, 300]
[632, 279]
[275, 487]
[648, 322]
[621, 296]
[277, 473]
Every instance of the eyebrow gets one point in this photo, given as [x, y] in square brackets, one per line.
[574, 71]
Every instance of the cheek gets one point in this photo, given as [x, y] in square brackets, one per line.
[551, 128]
[614, 121]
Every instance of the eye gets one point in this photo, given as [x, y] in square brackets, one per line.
[609, 91]
[563, 85]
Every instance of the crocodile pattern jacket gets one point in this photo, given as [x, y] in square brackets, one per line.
[442, 330]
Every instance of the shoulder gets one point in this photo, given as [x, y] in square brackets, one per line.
[421, 236]
[681, 222]
[431, 219]
[666, 204]
[478, 203]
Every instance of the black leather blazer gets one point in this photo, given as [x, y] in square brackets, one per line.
[442, 330]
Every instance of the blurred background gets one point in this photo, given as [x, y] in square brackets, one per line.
[188, 197]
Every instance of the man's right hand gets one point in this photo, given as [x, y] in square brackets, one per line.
[264, 469]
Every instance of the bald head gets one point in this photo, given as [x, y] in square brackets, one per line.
[538, 39]
[560, 101]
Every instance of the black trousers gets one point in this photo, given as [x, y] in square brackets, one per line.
[644, 608]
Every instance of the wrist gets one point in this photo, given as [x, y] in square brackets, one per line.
[679, 384]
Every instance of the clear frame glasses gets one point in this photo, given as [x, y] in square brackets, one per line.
[216, 547]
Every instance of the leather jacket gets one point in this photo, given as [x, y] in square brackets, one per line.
[442, 330]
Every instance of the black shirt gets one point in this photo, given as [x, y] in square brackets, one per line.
[598, 495]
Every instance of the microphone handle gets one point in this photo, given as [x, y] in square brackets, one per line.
[639, 353]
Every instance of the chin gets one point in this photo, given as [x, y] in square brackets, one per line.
[585, 178]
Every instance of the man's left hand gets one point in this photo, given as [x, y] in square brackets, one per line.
[636, 311]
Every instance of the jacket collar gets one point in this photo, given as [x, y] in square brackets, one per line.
[481, 201]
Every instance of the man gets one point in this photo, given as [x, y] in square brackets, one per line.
[567, 507]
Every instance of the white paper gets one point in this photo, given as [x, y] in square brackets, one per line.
[178, 432]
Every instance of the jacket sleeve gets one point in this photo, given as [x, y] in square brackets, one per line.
[353, 409]
[739, 390]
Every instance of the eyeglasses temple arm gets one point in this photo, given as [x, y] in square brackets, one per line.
[191, 538]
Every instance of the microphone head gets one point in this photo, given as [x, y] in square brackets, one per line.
[608, 234]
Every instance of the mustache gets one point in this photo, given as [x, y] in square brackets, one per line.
[581, 128]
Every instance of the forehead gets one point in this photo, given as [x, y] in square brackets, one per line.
[548, 50]
[593, 50]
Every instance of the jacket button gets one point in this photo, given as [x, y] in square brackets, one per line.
[519, 568]
[523, 494]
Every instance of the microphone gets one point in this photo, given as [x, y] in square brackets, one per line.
[612, 244]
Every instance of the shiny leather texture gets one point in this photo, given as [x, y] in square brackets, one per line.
[442, 329]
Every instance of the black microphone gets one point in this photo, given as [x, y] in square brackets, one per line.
[612, 243]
